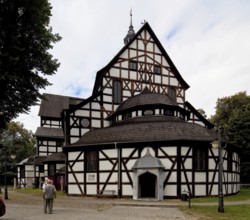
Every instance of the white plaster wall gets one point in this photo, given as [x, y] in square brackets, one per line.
[84, 113]
[200, 177]
[105, 165]
[73, 189]
[74, 155]
[170, 190]
[200, 190]
[127, 190]
[127, 151]
[189, 176]
[96, 123]
[173, 82]
[104, 176]
[171, 151]
[184, 151]
[173, 177]
[124, 74]
[167, 163]
[130, 163]
[74, 131]
[188, 163]
[91, 189]
[125, 176]
[78, 166]
[111, 153]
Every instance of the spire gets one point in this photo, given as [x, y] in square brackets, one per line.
[131, 32]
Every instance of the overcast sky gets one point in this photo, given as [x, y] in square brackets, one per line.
[207, 40]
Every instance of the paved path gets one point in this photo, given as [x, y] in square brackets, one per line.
[26, 207]
[22, 206]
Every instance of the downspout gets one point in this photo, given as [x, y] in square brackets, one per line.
[119, 170]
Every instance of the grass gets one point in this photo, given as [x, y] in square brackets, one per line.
[232, 212]
[35, 192]
[244, 194]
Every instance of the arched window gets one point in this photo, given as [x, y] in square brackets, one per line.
[117, 92]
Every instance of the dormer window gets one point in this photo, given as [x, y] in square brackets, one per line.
[126, 115]
[148, 112]
[133, 65]
[168, 112]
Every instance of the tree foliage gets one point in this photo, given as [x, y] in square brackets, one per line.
[25, 41]
[233, 115]
[15, 139]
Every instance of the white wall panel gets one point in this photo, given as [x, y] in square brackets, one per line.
[200, 190]
[127, 190]
[170, 190]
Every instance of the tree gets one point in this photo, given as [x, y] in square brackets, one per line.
[25, 41]
[15, 138]
[233, 115]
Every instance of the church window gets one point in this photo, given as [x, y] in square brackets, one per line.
[133, 65]
[199, 158]
[172, 93]
[117, 92]
[157, 69]
[85, 122]
[168, 112]
[92, 161]
[148, 112]
[126, 115]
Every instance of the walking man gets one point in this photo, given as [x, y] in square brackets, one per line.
[49, 195]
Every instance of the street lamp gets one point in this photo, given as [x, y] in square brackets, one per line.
[217, 145]
[13, 157]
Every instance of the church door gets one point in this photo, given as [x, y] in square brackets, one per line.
[147, 185]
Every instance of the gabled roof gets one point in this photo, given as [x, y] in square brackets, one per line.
[52, 105]
[147, 27]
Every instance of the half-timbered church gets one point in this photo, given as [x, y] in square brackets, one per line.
[135, 136]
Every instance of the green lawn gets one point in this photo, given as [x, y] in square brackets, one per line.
[232, 212]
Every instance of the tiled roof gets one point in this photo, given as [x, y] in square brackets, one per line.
[55, 157]
[146, 98]
[148, 129]
[52, 105]
[49, 132]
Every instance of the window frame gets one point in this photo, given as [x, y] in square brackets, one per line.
[117, 91]
[92, 161]
[200, 160]
[133, 65]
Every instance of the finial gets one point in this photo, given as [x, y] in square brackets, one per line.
[131, 17]
[131, 32]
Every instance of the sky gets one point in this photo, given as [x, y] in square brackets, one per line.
[207, 40]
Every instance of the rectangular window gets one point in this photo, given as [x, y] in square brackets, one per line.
[133, 65]
[22, 172]
[157, 69]
[51, 171]
[199, 158]
[229, 161]
[92, 161]
[117, 92]
[172, 93]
